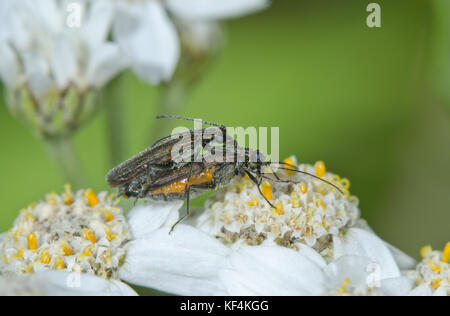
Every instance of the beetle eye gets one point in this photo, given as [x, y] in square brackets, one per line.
[130, 194]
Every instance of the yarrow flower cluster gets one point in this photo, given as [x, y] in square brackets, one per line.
[79, 232]
[73, 244]
[307, 211]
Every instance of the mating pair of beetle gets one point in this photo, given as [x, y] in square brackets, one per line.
[160, 172]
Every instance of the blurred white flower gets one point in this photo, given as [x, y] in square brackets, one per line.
[39, 44]
[146, 30]
[311, 220]
[55, 55]
[52, 67]
[82, 234]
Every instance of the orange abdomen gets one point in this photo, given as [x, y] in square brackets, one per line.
[203, 177]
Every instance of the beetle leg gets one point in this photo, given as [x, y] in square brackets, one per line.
[255, 181]
[275, 173]
[187, 190]
[188, 200]
[187, 211]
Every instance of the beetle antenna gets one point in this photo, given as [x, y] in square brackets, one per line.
[264, 176]
[189, 119]
[311, 175]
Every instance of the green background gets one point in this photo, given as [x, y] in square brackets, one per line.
[371, 103]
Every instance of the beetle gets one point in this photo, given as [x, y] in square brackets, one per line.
[158, 157]
[156, 175]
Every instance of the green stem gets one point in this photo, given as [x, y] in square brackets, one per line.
[115, 112]
[173, 97]
[61, 151]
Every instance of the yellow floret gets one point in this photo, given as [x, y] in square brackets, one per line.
[108, 215]
[303, 188]
[89, 235]
[68, 197]
[295, 201]
[425, 251]
[266, 189]
[32, 242]
[91, 197]
[45, 257]
[19, 254]
[279, 209]
[60, 264]
[320, 169]
[289, 164]
[253, 202]
[446, 253]
[65, 249]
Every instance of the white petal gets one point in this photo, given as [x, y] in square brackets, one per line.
[272, 270]
[145, 219]
[14, 285]
[236, 284]
[13, 28]
[37, 73]
[9, 67]
[358, 242]
[404, 261]
[421, 290]
[186, 262]
[397, 286]
[97, 26]
[205, 36]
[2, 237]
[312, 255]
[122, 289]
[149, 38]
[202, 221]
[63, 283]
[105, 62]
[440, 292]
[48, 13]
[63, 62]
[214, 9]
[66, 283]
[354, 268]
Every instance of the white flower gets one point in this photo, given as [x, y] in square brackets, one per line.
[432, 274]
[82, 234]
[200, 37]
[310, 212]
[311, 221]
[148, 35]
[53, 70]
[44, 52]
[279, 271]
